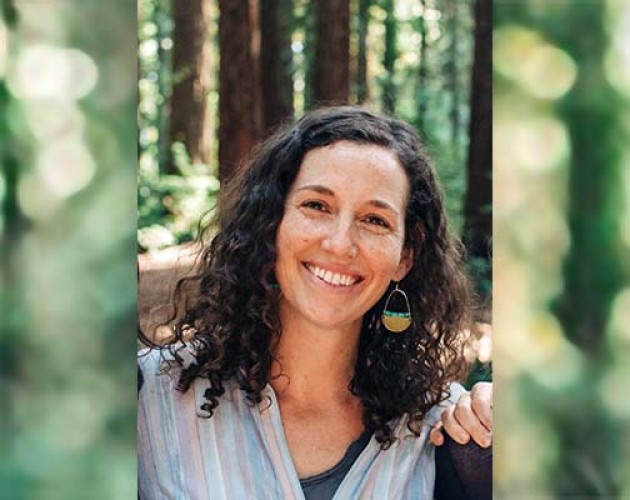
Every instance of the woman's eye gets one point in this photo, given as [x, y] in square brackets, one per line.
[377, 221]
[315, 205]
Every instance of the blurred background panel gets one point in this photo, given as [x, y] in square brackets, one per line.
[67, 224]
[217, 77]
[562, 266]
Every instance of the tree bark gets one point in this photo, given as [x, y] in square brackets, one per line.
[276, 62]
[364, 21]
[478, 203]
[389, 58]
[452, 76]
[331, 64]
[423, 72]
[191, 79]
[239, 83]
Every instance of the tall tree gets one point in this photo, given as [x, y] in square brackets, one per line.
[478, 202]
[423, 72]
[389, 57]
[451, 12]
[239, 83]
[276, 61]
[363, 24]
[331, 63]
[191, 79]
[161, 16]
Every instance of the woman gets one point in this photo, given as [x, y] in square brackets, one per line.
[325, 334]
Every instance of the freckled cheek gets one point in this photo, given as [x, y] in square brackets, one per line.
[384, 257]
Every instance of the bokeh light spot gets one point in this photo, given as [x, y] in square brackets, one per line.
[66, 165]
[49, 119]
[535, 144]
[46, 72]
[541, 69]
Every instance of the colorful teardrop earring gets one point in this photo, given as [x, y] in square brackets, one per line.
[396, 321]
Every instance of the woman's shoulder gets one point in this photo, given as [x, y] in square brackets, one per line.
[166, 358]
[159, 368]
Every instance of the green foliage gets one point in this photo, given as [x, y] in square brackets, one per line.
[164, 215]
[171, 206]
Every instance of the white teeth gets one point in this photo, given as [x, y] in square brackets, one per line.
[331, 278]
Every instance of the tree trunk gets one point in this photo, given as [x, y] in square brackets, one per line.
[389, 58]
[331, 64]
[191, 79]
[478, 203]
[276, 62]
[161, 15]
[239, 83]
[364, 21]
[423, 73]
[451, 73]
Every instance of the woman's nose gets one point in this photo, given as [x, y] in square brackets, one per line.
[340, 239]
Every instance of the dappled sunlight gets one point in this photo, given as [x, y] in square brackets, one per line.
[539, 68]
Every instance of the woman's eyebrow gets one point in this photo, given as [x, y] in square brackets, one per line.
[329, 192]
[317, 188]
[384, 205]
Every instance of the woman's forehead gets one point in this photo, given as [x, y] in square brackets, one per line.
[356, 165]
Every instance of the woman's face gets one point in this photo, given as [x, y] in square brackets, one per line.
[340, 242]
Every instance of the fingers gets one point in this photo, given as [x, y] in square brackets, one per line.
[453, 427]
[436, 436]
[481, 403]
[470, 421]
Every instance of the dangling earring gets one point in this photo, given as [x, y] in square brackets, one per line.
[396, 321]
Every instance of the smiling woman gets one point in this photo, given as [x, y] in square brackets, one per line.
[305, 390]
[340, 242]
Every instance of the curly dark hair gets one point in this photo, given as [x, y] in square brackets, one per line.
[233, 313]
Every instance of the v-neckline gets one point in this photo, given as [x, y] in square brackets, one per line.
[279, 436]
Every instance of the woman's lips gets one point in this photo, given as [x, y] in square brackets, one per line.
[331, 277]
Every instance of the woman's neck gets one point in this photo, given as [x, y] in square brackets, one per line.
[314, 364]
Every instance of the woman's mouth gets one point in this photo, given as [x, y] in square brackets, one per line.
[332, 278]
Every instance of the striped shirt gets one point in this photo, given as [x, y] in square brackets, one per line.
[241, 453]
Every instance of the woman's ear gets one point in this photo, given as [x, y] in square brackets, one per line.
[405, 265]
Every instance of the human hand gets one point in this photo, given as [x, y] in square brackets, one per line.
[470, 417]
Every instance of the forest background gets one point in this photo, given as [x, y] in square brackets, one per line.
[216, 78]
[68, 247]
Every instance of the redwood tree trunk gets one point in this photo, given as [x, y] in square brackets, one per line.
[276, 62]
[389, 58]
[477, 211]
[239, 83]
[364, 21]
[451, 73]
[423, 72]
[331, 64]
[191, 79]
